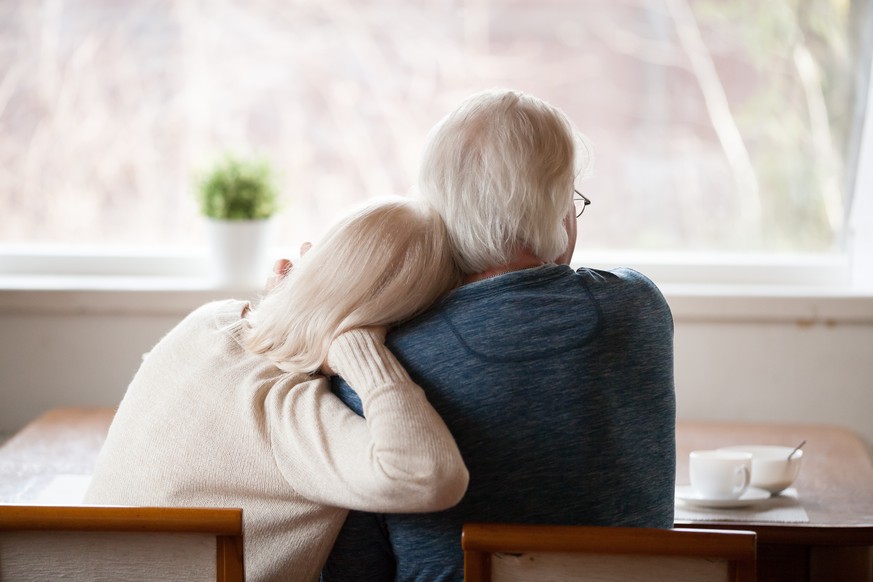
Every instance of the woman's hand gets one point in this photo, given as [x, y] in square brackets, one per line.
[282, 267]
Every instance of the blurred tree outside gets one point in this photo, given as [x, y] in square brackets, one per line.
[719, 125]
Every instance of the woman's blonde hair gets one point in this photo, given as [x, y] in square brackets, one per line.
[500, 170]
[381, 265]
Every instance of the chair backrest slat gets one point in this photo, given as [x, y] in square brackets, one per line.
[508, 552]
[121, 543]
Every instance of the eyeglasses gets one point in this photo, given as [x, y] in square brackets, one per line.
[581, 203]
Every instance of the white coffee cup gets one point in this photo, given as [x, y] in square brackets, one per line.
[720, 474]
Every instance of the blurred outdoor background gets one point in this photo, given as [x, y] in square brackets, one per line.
[718, 125]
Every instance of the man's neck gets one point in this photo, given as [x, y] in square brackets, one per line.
[522, 259]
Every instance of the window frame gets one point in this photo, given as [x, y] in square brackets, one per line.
[848, 272]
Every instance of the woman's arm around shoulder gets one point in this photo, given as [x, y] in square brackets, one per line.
[400, 458]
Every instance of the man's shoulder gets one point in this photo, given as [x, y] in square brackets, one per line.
[622, 284]
[617, 276]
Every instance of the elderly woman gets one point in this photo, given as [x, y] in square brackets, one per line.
[229, 409]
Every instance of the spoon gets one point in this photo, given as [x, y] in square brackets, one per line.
[797, 448]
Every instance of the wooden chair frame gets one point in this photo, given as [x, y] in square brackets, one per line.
[479, 541]
[224, 523]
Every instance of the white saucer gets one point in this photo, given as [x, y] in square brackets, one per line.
[751, 496]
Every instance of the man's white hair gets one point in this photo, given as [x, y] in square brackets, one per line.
[500, 170]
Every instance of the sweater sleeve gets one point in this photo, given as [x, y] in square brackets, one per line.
[400, 458]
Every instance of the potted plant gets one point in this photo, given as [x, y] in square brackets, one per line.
[239, 198]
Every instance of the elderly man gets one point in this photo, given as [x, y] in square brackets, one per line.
[556, 384]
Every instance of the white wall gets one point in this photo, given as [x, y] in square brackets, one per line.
[771, 359]
[69, 360]
[776, 371]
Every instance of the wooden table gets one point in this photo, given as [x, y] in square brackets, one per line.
[60, 443]
[835, 485]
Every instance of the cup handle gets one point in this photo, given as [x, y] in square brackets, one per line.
[745, 476]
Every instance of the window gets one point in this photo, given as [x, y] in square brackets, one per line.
[719, 125]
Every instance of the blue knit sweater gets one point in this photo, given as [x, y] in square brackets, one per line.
[558, 388]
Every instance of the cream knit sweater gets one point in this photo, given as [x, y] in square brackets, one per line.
[205, 423]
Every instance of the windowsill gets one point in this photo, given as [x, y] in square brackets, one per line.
[804, 289]
[107, 295]
[176, 296]
[769, 303]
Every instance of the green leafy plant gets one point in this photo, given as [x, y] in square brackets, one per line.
[239, 189]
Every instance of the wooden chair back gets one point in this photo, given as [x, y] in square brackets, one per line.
[507, 552]
[141, 544]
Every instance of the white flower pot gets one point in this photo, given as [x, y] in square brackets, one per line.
[239, 252]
